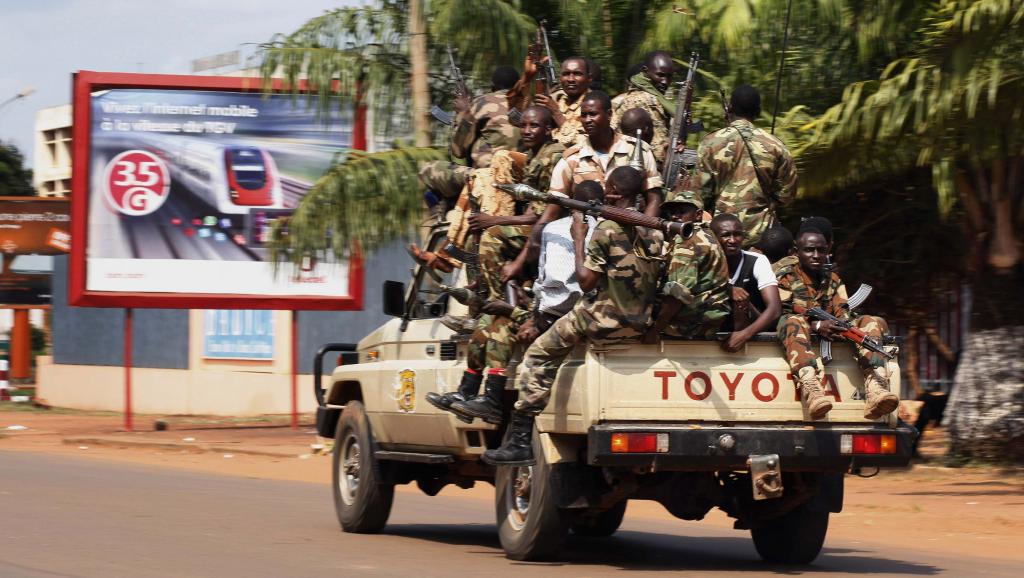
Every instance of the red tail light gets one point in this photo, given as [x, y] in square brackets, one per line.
[867, 444]
[639, 443]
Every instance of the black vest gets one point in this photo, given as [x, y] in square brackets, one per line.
[747, 281]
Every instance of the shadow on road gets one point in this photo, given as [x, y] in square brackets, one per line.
[649, 551]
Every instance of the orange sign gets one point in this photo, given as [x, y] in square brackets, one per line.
[30, 225]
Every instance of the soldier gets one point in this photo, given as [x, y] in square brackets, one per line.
[565, 102]
[695, 294]
[755, 291]
[776, 243]
[804, 281]
[636, 119]
[647, 92]
[557, 291]
[505, 237]
[481, 128]
[616, 262]
[601, 150]
[744, 170]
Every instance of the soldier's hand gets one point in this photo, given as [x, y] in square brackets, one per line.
[579, 226]
[461, 103]
[528, 333]
[481, 221]
[736, 341]
[511, 270]
[651, 337]
[497, 307]
[826, 329]
[739, 295]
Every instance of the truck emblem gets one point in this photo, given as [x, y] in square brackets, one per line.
[406, 390]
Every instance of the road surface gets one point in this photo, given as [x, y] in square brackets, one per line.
[63, 516]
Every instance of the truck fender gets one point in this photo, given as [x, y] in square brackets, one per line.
[561, 448]
[340, 393]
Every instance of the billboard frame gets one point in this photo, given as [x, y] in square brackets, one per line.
[86, 82]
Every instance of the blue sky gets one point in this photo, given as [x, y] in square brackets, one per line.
[44, 41]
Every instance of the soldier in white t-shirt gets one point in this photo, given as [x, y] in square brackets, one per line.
[755, 291]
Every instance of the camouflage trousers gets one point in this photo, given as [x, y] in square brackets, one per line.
[444, 178]
[698, 322]
[543, 358]
[795, 336]
[498, 246]
[492, 345]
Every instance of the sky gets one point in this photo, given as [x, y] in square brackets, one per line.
[44, 41]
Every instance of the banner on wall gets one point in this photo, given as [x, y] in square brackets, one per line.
[238, 334]
[183, 179]
[32, 230]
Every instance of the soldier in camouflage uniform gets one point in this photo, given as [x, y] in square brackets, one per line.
[565, 102]
[647, 92]
[480, 129]
[622, 263]
[695, 294]
[745, 170]
[803, 281]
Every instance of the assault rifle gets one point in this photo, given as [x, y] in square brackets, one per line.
[551, 77]
[850, 333]
[726, 109]
[622, 216]
[681, 127]
[459, 88]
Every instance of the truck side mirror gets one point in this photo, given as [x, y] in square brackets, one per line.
[394, 298]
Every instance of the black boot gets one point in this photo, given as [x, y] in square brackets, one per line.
[518, 447]
[468, 388]
[487, 406]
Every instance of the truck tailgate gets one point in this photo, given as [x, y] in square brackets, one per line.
[695, 380]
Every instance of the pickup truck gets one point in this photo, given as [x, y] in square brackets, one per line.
[682, 423]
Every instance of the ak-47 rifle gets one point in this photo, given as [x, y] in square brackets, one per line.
[850, 333]
[549, 67]
[726, 109]
[459, 89]
[622, 216]
[681, 127]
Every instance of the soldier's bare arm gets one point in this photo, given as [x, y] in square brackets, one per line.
[531, 251]
[772, 310]
[481, 221]
[586, 276]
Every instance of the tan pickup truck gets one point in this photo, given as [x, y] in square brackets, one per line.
[682, 423]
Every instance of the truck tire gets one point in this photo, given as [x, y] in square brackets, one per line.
[361, 502]
[795, 538]
[531, 526]
[599, 524]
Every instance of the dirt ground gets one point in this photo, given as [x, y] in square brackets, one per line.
[925, 507]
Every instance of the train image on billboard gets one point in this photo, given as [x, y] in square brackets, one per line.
[230, 178]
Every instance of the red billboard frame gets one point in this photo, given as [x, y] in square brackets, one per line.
[84, 84]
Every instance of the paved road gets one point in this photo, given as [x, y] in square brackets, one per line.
[80, 517]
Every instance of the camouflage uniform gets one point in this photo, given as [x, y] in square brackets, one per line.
[729, 182]
[479, 133]
[501, 244]
[698, 276]
[797, 288]
[571, 130]
[620, 311]
[580, 163]
[638, 98]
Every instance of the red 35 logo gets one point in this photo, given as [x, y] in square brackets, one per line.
[136, 182]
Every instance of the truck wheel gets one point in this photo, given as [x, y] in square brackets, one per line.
[795, 538]
[531, 526]
[599, 524]
[362, 503]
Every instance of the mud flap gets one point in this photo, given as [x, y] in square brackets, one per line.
[830, 493]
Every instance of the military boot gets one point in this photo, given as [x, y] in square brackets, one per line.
[468, 388]
[518, 447]
[811, 393]
[878, 400]
[487, 406]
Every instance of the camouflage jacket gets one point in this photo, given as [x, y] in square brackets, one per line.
[572, 129]
[581, 163]
[729, 183]
[698, 276]
[484, 129]
[625, 294]
[636, 98]
[539, 169]
[797, 288]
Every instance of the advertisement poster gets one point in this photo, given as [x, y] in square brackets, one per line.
[238, 334]
[31, 232]
[184, 186]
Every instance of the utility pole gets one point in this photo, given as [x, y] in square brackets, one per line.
[418, 56]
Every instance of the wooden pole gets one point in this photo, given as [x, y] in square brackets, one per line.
[418, 58]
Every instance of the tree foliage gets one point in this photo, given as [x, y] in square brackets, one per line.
[15, 179]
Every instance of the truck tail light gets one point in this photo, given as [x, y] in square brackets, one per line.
[639, 443]
[867, 444]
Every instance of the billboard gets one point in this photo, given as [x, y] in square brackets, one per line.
[31, 231]
[177, 182]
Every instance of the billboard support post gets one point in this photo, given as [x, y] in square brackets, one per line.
[128, 369]
[295, 369]
[21, 345]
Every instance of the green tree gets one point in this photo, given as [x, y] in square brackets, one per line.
[15, 179]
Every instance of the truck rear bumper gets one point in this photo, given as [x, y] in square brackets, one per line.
[709, 447]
